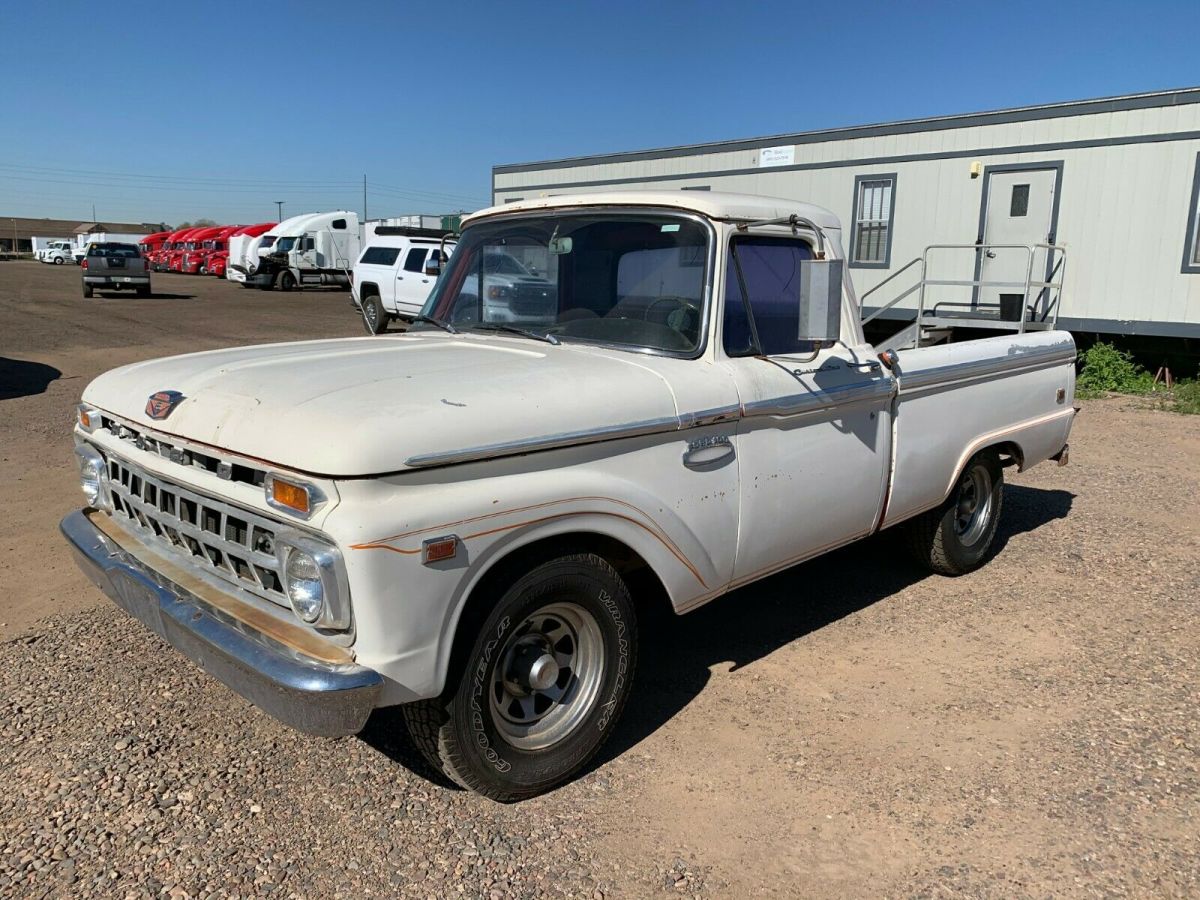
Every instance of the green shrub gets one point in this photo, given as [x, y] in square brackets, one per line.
[1105, 368]
[1187, 397]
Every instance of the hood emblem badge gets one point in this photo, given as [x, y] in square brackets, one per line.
[162, 404]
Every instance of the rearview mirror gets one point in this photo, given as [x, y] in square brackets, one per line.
[433, 265]
[820, 300]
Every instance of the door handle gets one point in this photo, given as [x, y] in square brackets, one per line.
[991, 254]
[708, 451]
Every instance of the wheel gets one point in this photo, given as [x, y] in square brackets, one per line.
[204, 270]
[375, 320]
[58, 260]
[545, 679]
[87, 292]
[143, 291]
[287, 281]
[957, 537]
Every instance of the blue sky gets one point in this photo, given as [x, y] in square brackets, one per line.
[165, 111]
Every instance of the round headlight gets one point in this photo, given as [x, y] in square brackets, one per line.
[91, 475]
[305, 592]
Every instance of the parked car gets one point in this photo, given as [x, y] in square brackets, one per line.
[115, 267]
[396, 272]
[470, 518]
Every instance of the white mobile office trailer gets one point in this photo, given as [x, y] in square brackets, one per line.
[1112, 182]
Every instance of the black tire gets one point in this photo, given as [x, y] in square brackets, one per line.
[58, 260]
[87, 292]
[375, 319]
[465, 733]
[287, 281]
[143, 291]
[958, 536]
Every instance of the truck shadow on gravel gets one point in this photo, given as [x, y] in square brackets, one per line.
[22, 378]
[677, 652]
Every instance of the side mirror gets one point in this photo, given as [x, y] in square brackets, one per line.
[433, 265]
[821, 300]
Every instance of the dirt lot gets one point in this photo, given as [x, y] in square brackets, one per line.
[849, 728]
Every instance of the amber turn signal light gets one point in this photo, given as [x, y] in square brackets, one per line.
[438, 549]
[292, 496]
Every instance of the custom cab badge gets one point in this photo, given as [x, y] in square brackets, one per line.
[161, 404]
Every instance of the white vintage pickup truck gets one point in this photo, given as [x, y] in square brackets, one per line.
[467, 518]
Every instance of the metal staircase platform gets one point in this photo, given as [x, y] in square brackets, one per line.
[1039, 301]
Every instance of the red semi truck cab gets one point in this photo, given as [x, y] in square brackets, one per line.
[173, 249]
[198, 248]
[159, 261]
[182, 245]
[150, 246]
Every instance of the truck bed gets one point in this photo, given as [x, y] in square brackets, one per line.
[954, 399]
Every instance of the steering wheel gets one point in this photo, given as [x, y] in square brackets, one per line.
[677, 319]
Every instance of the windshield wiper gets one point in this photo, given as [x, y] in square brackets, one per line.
[513, 329]
[445, 326]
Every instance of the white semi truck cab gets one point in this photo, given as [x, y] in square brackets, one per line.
[312, 249]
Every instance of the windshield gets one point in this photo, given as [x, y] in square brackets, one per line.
[267, 240]
[284, 245]
[629, 279]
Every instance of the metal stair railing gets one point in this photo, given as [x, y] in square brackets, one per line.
[1048, 296]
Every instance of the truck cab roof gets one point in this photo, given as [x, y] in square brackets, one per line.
[714, 204]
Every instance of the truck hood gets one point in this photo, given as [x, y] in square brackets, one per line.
[365, 406]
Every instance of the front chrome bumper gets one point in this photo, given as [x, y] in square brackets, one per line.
[300, 691]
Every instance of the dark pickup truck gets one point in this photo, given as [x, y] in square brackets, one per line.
[115, 267]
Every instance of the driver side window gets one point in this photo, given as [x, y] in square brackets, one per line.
[762, 279]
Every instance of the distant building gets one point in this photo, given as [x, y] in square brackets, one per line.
[1116, 181]
[17, 232]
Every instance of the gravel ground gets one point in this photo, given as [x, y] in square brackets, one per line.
[849, 728]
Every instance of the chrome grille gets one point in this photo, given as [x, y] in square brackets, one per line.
[232, 543]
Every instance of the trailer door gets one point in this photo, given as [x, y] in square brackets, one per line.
[1019, 207]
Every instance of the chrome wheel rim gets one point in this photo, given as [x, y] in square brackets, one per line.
[973, 504]
[547, 676]
[371, 313]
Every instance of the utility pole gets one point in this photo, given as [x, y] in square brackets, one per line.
[93, 213]
[14, 235]
[280, 203]
[364, 198]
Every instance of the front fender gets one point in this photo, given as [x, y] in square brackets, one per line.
[410, 611]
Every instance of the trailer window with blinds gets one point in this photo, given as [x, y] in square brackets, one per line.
[874, 211]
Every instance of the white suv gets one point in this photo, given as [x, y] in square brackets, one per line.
[395, 274]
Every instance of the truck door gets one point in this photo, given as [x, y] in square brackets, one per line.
[1018, 208]
[307, 255]
[412, 284]
[814, 442]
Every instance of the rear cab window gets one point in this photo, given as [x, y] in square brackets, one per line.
[114, 251]
[379, 256]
